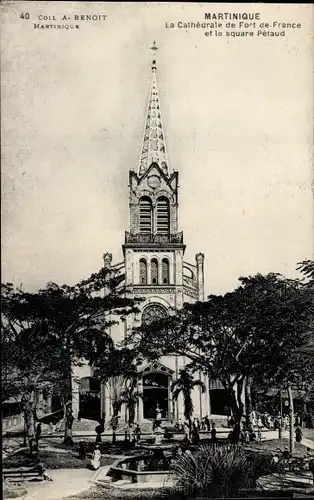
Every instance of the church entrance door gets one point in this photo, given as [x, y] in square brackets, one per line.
[219, 402]
[90, 398]
[155, 395]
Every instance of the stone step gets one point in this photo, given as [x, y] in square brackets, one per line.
[122, 482]
[105, 479]
[84, 425]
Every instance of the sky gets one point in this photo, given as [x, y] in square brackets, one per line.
[238, 120]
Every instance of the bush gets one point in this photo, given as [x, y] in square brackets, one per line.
[214, 471]
[14, 493]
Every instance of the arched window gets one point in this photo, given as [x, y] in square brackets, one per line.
[162, 216]
[143, 272]
[154, 271]
[165, 271]
[153, 312]
[145, 207]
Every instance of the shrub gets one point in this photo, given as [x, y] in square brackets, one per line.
[214, 471]
[14, 493]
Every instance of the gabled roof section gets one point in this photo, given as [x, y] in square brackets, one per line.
[153, 144]
[171, 180]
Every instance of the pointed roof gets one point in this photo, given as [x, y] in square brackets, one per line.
[153, 144]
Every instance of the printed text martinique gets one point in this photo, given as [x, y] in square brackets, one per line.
[227, 16]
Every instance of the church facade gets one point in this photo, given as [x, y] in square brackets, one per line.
[153, 268]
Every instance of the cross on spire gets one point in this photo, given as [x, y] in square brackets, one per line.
[154, 48]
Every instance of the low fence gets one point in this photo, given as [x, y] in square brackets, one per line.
[13, 422]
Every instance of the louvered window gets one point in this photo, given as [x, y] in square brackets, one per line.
[154, 271]
[162, 216]
[165, 271]
[145, 215]
[143, 272]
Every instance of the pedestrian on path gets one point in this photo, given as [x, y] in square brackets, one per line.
[186, 430]
[38, 434]
[207, 423]
[98, 430]
[137, 433]
[95, 461]
[213, 432]
[298, 435]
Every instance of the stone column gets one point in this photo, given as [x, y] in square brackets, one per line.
[206, 398]
[103, 407]
[176, 375]
[140, 408]
[129, 278]
[201, 397]
[75, 397]
[159, 272]
[49, 401]
[170, 405]
[200, 275]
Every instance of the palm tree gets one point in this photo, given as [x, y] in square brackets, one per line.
[185, 384]
[307, 268]
[122, 391]
[130, 397]
[116, 387]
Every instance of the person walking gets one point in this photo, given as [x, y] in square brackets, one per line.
[98, 430]
[38, 434]
[95, 461]
[298, 435]
[137, 433]
[207, 423]
[213, 432]
[186, 430]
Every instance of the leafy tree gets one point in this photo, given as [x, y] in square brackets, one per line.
[307, 268]
[116, 386]
[246, 334]
[48, 332]
[118, 371]
[185, 384]
[130, 398]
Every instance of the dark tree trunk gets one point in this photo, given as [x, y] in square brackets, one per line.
[131, 414]
[114, 437]
[237, 410]
[248, 403]
[29, 424]
[68, 422]
[239, 399]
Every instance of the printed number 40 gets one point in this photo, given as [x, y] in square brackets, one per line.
[25, 16]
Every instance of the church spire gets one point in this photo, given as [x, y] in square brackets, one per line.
[153, 145]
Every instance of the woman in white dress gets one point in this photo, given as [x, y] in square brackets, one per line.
[95, 461]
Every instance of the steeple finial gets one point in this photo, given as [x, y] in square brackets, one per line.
[153, 145]
[154, 65]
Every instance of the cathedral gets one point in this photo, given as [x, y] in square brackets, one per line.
[153, 268]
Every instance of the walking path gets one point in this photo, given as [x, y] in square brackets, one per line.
[309, 443]
[65, 483]
[70, 482]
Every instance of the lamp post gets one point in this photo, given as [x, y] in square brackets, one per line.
[291, 419]
[290, 397]
[281, 417]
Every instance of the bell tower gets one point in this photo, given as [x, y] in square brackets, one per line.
[153, 269]
[153, 246]
[154, 265]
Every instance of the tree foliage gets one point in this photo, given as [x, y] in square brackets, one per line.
[184, 385]
[252, 332]
[48, 332]
[117, 369]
